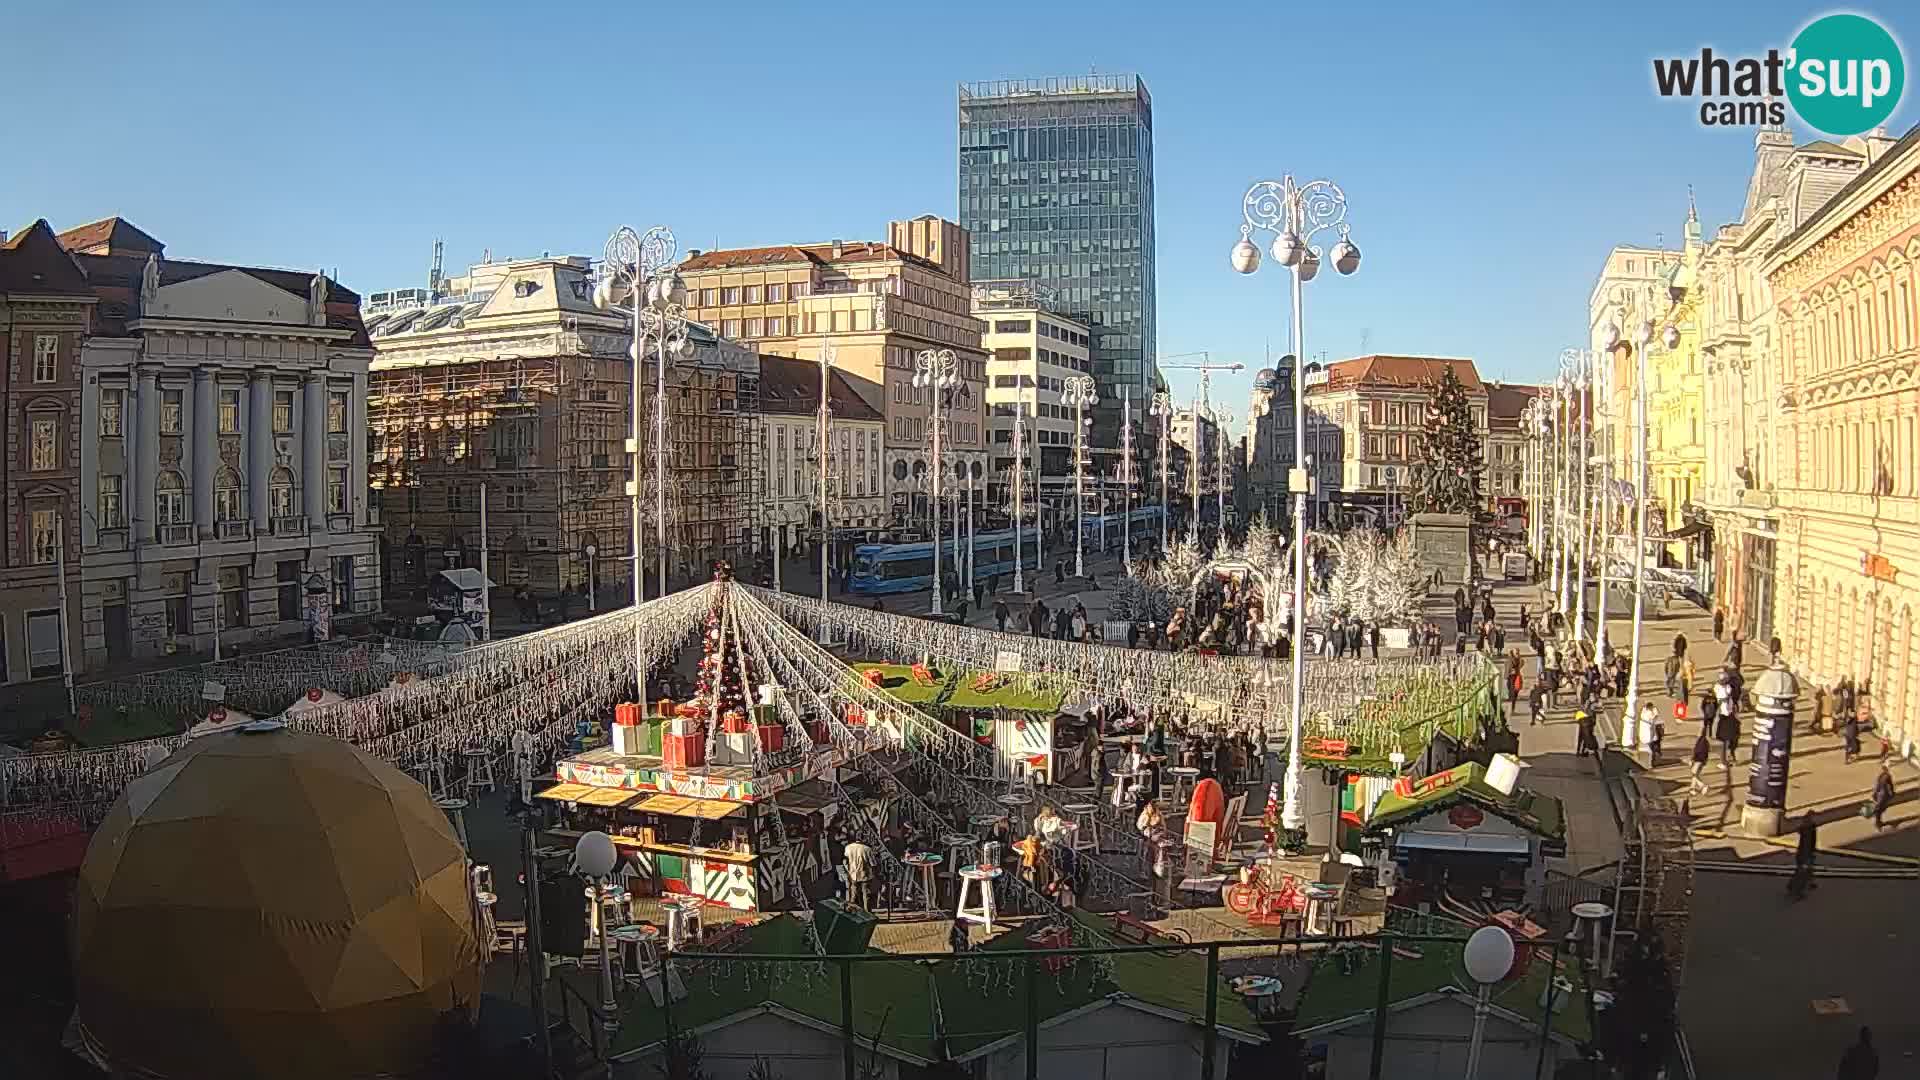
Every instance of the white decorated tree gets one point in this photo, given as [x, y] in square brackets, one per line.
[1399, 582]
[1175, 573]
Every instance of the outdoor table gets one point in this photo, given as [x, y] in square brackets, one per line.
[1320, 899]
[978, 880]
[926, 862]
[637, 939]
[1184, 777]
[986, 821]
[1262, 993]
[1122, 780]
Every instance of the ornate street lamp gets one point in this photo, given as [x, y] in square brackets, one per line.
[1079, 392]
[936, 370]
[1162, 407]
[1295, 214]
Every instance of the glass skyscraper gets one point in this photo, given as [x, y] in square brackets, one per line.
[1056, 189]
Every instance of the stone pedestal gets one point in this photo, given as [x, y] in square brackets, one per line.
[1761, 822]
[1443, 544]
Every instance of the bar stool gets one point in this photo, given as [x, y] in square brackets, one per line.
[979, 883]
[485, 902]
[430, 775]
[960, 849]
[479, 771]
[927, 863]
[1084, 817]
[683, 921]
[455, 809]
[1184, 778]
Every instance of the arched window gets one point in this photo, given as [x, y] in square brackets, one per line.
[280, 492]
[170, 498]
[228, 503]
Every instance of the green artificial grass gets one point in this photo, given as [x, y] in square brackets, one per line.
[126, 724]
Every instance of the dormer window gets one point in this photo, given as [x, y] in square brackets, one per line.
[524, 288]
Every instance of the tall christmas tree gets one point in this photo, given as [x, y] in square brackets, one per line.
[1448, 479]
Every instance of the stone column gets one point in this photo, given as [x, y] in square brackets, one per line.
[205, 426]
[260, 448]
[313, 453]
[140, 504]
[358, 493]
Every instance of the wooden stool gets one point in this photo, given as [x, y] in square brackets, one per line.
[1184, 778]
[683, 921]
[1084, 817]
[479, 771]
[961, 850]
[455, 809]
[979, 883]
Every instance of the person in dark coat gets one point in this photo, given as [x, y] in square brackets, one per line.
[1849, 736]
[1001, 614]
[1059, 572]
[1373, 640]
[1589, 740]
[1037, 618]
[1536, 698]
[1861, 1061]
[1709, 712]
[1062, 624]
[1882, 797]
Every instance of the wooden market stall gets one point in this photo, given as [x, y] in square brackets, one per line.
[1021, 718]
[1471, 833]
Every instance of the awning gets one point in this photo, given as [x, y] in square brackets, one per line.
[565, 792]
[1690, 529]
[1488, 844]
[607, 796]
[683, 806]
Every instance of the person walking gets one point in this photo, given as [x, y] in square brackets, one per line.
[1037, 618]
[1882, 796]
[1651, 732]
[1589, 741]
[1059, 572]
[1536, 698]
[1513, 679]
[1373, 639]
[1861, 1061]
[1805, 851]
[979, 594]
[1849, 736]
[859, 863]
[1672, 672]
[1001, 614]
[1702, 749]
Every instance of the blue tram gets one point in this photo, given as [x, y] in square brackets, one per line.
[898, 568]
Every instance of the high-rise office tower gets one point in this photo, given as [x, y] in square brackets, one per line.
[1056, 189]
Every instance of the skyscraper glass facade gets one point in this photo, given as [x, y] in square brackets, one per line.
[1056, 189]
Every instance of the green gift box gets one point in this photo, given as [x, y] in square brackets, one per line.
[650, 732]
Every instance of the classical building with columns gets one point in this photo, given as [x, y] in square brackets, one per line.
[223, 461]
[1845, 283]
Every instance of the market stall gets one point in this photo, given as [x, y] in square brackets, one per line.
[1021, 718]
[1470, 833]
[673, 845]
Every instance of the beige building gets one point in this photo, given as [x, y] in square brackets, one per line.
[1741, 354]
[1631, 275]
[1269, 442]
[790, 439]
[509, 377]
[877, 306]
[1031, 352]
[1507, 444]
[1845, 289]
[1364, 420]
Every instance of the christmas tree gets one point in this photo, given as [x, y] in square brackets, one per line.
[1448, 479]
[721, 679]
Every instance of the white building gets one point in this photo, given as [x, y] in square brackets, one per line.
[1031, 353]
[223, 452]
[856, 493]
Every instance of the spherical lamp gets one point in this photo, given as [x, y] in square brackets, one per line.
[1346, 257]
[1246, 256]
[594, 855]
[1670, 337]
[1309, 265]
[1610, 334]
[272, 903]
[1287, 248]
[1488, 955]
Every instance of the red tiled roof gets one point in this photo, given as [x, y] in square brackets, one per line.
[1505, 401]
[812, 254]
[791, 387]
[32, 261]
[1409, 372]
[111, 236]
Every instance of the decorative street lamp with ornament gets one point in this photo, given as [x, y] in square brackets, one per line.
[1294, 214]
[936, 370]
[1162, 407]
[1079, 392]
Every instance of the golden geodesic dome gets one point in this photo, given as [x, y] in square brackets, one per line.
[272, 904]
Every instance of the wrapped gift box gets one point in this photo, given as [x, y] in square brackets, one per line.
[651, 732]
[627, 739]
[684, 751]
[686, 725]
[818, 731]
[626, 714]
[734, 722]
[765, 714]
[773, 738]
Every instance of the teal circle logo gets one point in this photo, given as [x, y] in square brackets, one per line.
[1847, 74]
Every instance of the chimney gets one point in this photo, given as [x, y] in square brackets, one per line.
[3, 236]
[838, 249]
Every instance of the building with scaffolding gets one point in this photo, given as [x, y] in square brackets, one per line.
[507, 384]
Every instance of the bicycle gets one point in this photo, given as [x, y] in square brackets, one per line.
[1262, 898]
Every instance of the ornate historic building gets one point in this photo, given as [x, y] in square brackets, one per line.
[1844, 286]
[1364, 430]
[1740, 354]
[44, 302]
[223, 466]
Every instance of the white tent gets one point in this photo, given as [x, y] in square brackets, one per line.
[313, 699]
[219, 718]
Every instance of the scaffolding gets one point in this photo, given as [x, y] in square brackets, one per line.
[547, 436]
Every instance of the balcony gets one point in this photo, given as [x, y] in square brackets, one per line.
[290, 525]
[234, 530]
[340, 523]
[176, 535]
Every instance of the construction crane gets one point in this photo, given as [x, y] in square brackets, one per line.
[1206, 367]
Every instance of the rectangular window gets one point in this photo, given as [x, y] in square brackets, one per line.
[43, 644]
[286, 576]
[112, 409]
[336, 490]
[755, 328]
[169, 412]
[233, 596]
[337, 412]
[776, 326]
[776, 294]
[516, 496]
[46, 358]
[43, 536]
[43, 451]
[111, 510]
[229, 412]
[179, 605]
[730, 328]
[709, 297]
[753, 294]
[282, 411]
[342, 584]
[730, 294]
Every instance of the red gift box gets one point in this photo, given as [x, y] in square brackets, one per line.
[818, 731]
[626, 714]
[773, 738]
[734, 723]
[683, 751]
[856, 716]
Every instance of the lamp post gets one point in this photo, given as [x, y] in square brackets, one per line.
[1126, 479]
[1079, 392]
[1488, 957]
[1603, 496]
[1642, 341]
[972, 469]
[1162, 407]
[1576, 360]
[594, 856]
[937, 370]
[1220, 421]
[636, 270]
[1295, 214]
[1019, 477]
[823, 422]
[591, 598]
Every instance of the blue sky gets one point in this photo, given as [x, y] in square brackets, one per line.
[1491, 155]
